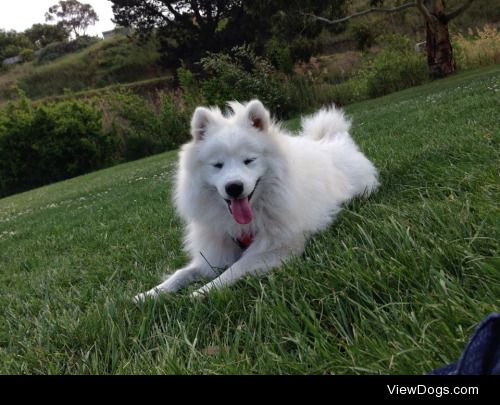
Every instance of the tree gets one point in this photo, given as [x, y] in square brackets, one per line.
[188, 29]
[440, 59]
[12, 43]
[185, 27]
[43, 34]
[73, 16]
[283, 21]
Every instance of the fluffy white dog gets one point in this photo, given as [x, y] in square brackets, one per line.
[251, 193]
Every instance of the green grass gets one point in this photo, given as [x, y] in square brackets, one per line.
[395, 286]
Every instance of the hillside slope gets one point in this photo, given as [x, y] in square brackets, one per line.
[396, 285]
[111, 61]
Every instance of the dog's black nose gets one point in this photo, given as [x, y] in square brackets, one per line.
[234, 189]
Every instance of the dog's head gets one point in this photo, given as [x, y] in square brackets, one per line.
[233, 153]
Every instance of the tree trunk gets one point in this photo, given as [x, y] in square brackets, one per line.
[439, 50]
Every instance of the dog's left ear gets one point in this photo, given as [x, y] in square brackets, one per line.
[258, 115]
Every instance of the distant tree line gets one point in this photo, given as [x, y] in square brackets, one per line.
[13, 43]
[71, 18]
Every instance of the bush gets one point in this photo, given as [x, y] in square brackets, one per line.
[143, 129]
[278, 53]
[27, 54]
[190, 90]
[242, 76]
[395, 68]
[51, 52]
[365, 34]
[302, 48]
[44, 143]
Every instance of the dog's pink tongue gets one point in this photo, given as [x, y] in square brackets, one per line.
[242, 213]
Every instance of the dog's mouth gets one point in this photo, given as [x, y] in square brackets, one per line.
[240, 207]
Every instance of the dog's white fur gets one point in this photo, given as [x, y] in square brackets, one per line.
[299, 183]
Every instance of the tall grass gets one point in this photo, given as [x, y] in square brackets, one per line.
[481, 47]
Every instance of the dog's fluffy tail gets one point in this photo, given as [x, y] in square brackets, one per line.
[326, 122]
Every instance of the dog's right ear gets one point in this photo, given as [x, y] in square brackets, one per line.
[202, 118]
[258, 115]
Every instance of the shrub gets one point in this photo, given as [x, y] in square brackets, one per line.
[190, 90]
[43, 143]
[278, 53]
[27, 54]
[302, 48]
[365, 34]
[143, 129]
[51, 52]
[395, 68]
[241, 76]
[173, 120]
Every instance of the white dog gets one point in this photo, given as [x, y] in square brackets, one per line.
[251, 194]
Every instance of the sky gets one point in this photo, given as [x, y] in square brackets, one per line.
[22, 14]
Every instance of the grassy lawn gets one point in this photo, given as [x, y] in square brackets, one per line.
[395, 286]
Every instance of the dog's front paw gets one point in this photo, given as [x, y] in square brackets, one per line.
[140, 298]
[199, 293]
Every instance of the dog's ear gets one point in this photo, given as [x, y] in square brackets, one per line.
[259, 117]
[202, 118]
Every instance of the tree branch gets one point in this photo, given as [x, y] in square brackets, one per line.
[427, 14]
[362, 13]
[459, 10]
[176, 14]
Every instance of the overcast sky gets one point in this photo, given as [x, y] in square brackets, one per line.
[21, 14]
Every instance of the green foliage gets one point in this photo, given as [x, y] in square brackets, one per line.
[27, 54]
[71, 15]
[142, 129]
[302, 48]
[279, 54]
[12, 42]
[190, 90]
[365, 34]
[396, 67]
[42, 35]
[242, 76]
[45, 143]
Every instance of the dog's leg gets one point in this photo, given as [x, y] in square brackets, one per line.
[179, 279]
[255, 263]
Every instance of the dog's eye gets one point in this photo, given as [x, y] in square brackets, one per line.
[248, 161]
[218, 165]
